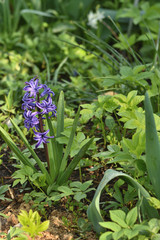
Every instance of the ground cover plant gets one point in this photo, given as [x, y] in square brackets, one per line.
[79, 119]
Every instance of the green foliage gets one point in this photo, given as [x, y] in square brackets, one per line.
[152, 161]
[31, 223]
[152, 147]
[124, 226]
[59, 171]
[93, 211]
[31, 226]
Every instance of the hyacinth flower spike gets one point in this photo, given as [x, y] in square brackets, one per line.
[33, 99]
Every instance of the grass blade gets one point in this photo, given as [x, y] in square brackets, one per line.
[58, 69]
[36, 12]
[152, 147]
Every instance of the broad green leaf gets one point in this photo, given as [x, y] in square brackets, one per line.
[3, 189]
[154, 225]
[118, 235]
[130, 233]
[65, 190]
[111, 225]
[118, 216]
[131, 217]
[43, 226]
[78, 196]
[106, 236]
[86, 185]
[152, 147]
[86, 114]
[93, 211]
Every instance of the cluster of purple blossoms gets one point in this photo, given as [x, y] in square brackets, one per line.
[37, 103]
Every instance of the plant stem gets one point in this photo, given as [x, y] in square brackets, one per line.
[42, 130]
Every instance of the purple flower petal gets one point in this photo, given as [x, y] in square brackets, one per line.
[41, 137]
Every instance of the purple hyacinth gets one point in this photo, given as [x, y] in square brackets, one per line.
[31, 120]
[32, 87]
[47, 91]
[37, 96]
[47, 107]
[41, 137]
[29, 103]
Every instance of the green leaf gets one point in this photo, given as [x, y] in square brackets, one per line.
[86, 185]
[65, 190]
[15, 149]
[154, 225]
[3, 189]
[131, 217]
[79, 196]
[118, 216]
[93, 211]
[43, 226]
[40, 164]
[130, 233]
[111, 225]
[152, 147]
[66, 174]
[106, 236]
[60, 128]
[52, 146]
[69, 145]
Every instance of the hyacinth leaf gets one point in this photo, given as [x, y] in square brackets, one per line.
[40, 164]
[67, 173]
[152, 147]
[93, 211]
[60, 128]
[69, 145]
[52, 150]
[15, 149]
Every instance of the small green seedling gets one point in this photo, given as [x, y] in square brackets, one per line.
[31, 223]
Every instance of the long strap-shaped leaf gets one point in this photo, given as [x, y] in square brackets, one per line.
[67, 173]
[60, 128]
[52, 150]
[69, 145]
[152, 148]
[41, 166]
[15, 149]
[93, 211]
